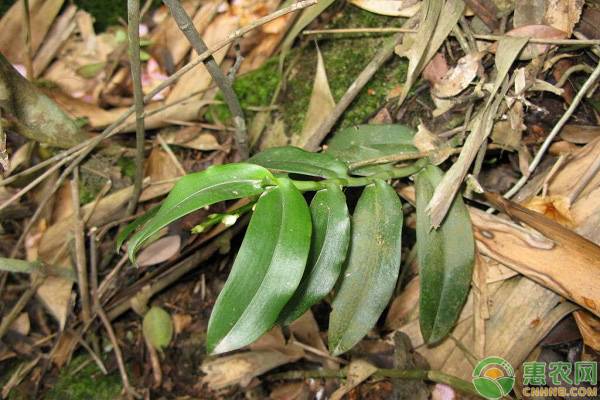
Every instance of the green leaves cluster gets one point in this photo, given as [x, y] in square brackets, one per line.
[293, 254]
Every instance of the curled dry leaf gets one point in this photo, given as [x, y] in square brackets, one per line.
[392, 8]
[240, 368]
[589, 326]
[555, 208]
[458, 78]
[435, 69]
[159, 251]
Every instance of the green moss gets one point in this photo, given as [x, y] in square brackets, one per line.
[254, 89]
[87, 383]
[345, 57]
[127, 166]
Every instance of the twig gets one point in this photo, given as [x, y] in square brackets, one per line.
[430, 375]
[117, 349]
[80, 258]
[171, 155]
[133, 27]
[555, 130]
[384, 53]
[491, 38]
[114, 128]
[28, 49]
[185, 24]
[38, 278]
[408, 156]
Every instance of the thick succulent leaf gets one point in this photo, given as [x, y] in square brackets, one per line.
[370, 141]
[298, 161]
[371, 269]
[201, 189]
[446, 256]
[134, 225]
[266, 271]
[328, 248]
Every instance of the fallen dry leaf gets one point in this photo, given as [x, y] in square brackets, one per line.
[320, 106]
[556, 208]
[435, 69]
[159, 251]
[589, 327]
[358, 372]
[240, 368]
[539, 32]
[563, 14]
[460, 77]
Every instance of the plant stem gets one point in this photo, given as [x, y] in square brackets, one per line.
[186, 25]
[133, 26]
[429, 375]
[396, 173]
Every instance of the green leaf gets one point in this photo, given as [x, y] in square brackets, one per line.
[371, 269]
[329, 244]
[266, 271]
[364, 142]
[446, 256]
[298, 161]
[201, 189]
[134, 225]
[158, 328]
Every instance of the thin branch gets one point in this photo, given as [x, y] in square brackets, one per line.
[133, 27]
[80, 258]
[419, 374]
[555, 130]
[28, 49]
[384, 54]
[186, 25]
[491, 38]
[117, 349]
[114, 128]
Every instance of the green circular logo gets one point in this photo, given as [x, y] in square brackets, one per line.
[493, 378]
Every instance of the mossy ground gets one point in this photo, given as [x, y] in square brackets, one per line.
[88, 383]
[344, 56]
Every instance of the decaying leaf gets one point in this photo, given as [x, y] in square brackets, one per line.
[563, 14]
[508, 50]
[321, 103]
[458, 78]
[240, 368]
[392, 8]
[538, 32]
[358, 371]
[159, 251]
[555, 208]
[35, 115]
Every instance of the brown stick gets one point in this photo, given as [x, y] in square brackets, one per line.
[186, 25]
[80, 258]
[133, 27]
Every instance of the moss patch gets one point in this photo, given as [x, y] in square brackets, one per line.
[87, 383]
[345, 57]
